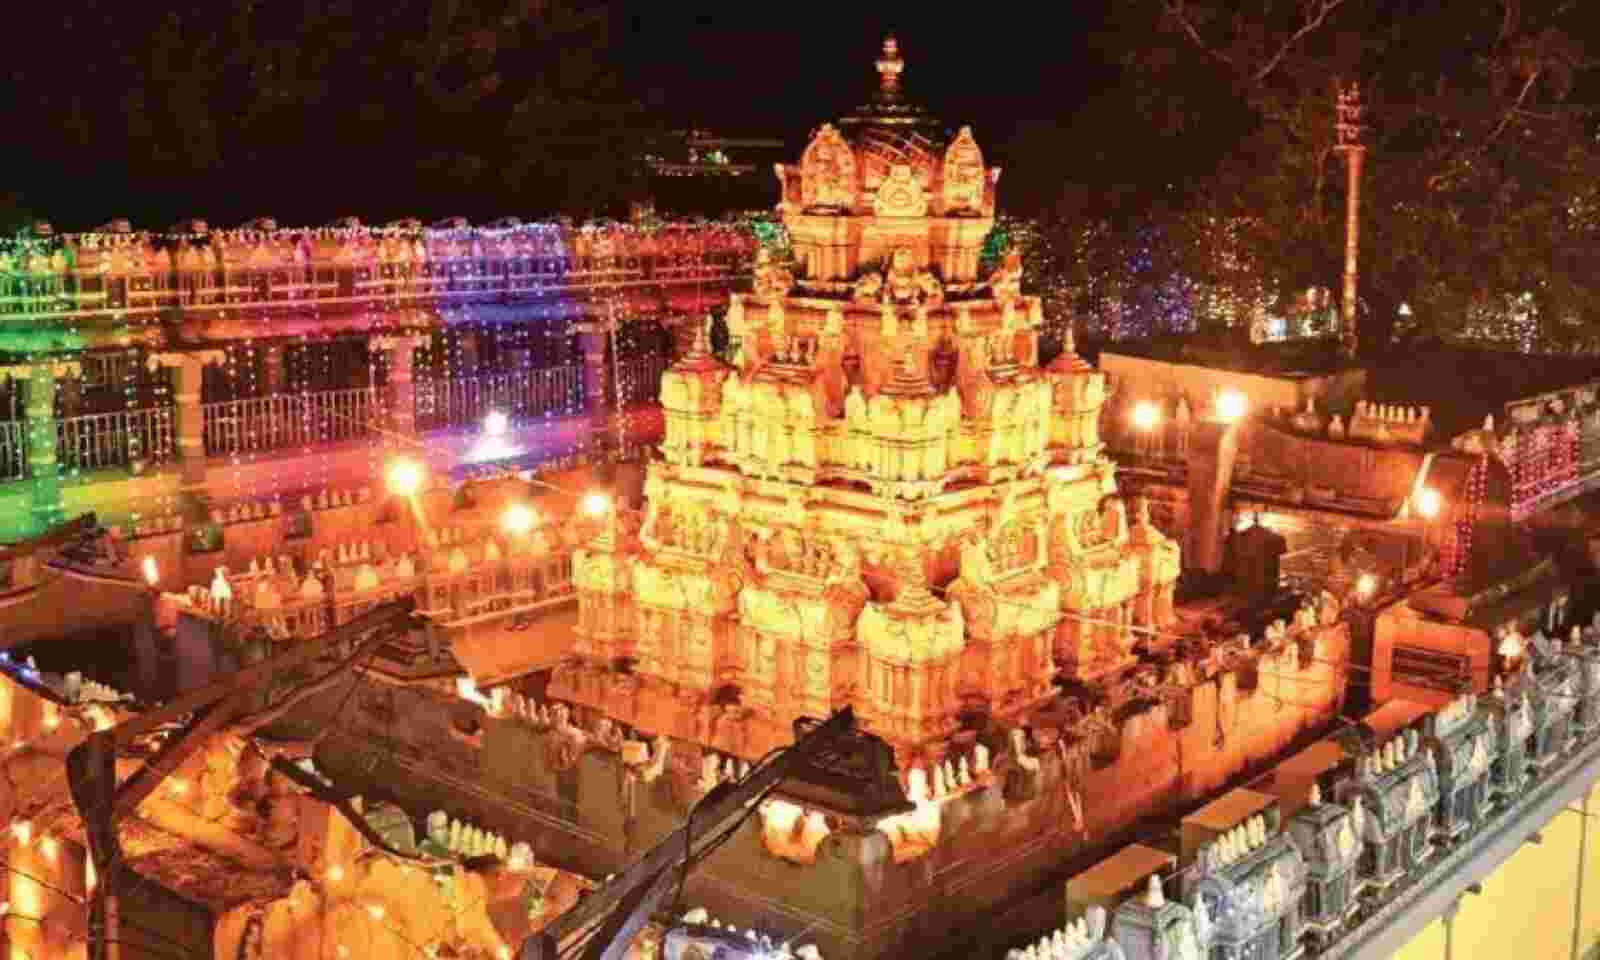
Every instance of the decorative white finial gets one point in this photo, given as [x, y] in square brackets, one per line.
[890, 65]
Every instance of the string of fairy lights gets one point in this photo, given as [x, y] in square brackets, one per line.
[40, 268]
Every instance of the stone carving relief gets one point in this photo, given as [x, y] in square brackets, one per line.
[901, 282]
[1006, 281]
[772, 279]
[901, 195]
[963, 173]
[828, 171]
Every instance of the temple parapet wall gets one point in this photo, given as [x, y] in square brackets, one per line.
[995, 808]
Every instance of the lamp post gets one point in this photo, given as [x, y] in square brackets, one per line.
[1347, 132]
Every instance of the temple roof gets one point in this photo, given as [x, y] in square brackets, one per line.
[890, 118]
[890, 129]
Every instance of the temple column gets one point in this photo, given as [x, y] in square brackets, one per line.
[401, 391]
[1212, 447]
[188, 374]
[44, 482]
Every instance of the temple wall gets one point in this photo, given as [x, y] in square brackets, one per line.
[1142, 377]
[1011, 839]
[1527, 905]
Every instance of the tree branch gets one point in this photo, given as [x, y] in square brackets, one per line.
[1516, 106]
[1317, 12]
[1176, 9]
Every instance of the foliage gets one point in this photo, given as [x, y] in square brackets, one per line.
[493, 97]
[1480, 173]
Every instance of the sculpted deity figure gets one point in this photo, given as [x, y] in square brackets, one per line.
[1006, 281]
[963, 173]
[901, 194]
[868, 288]
[772, 279]
[827, 171]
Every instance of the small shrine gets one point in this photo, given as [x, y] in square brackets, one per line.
[1326, 835]
[1391, 800]
[1462, 745]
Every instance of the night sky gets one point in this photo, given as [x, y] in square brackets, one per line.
[230, 109]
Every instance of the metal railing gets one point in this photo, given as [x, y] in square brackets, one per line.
[96, 441]
[286, 420]
[639, 379]
[465, 401]
[13, 449]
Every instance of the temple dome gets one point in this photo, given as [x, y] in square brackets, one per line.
[890, 129]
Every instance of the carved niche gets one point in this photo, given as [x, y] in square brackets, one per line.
[901, 195]
[828, 171]
[963, 174]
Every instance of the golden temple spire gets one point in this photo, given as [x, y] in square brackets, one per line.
[890, 66]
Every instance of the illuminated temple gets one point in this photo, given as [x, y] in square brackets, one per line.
[886, 502]
[419, 667]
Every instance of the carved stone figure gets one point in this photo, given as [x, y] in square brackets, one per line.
[772, 280]
[901, 194]
[827, 171]
[1006, 281]
[963, 174]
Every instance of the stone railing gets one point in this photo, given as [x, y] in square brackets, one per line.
[288, 420]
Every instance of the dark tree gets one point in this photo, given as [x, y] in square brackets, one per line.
[304, 110]
[1481, 194]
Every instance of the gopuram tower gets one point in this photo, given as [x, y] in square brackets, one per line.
[886, 501]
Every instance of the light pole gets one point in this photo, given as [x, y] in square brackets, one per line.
[1347, 136]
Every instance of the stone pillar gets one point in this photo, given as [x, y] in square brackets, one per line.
[401, 391]
[44, 480]
[188, 373]
[1212, 446]
[592, 338]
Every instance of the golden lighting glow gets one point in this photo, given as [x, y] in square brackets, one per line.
[595, 503]
[518, 519]
[22, 830]
[152, 572]
[90, 878]
[1231, 406]
[496, 423]
[180, 786]
[47, 846]
[1146, 415]
[377, 911]
[403, 477]
[51, 720]
[1429, 503]
[1366, 586]
[335, 873]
